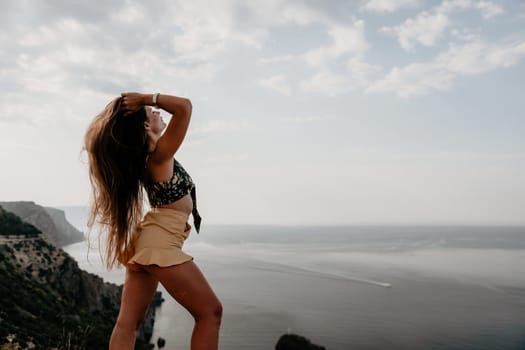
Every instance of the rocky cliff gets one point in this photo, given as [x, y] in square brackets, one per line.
[47, 302]
[296, 342]
[50, 221]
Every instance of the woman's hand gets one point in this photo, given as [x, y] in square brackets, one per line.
[131, 102]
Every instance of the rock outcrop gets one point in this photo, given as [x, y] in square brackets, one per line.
[296, 342]
[47, 302]
[50, 221]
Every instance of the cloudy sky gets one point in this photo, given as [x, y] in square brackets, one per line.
[304, 112]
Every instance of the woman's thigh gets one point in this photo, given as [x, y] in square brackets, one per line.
[138, 291]
[188, 286]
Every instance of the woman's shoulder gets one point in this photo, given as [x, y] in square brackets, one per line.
[160, 171]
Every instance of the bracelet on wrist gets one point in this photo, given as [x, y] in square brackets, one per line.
[155, 98]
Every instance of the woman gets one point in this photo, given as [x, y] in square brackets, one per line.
[128, 153]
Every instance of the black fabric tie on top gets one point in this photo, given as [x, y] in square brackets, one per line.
[196, 217]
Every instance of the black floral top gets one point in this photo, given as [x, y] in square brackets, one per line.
[165, 192]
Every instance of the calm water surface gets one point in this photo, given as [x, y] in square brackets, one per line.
[355, 287]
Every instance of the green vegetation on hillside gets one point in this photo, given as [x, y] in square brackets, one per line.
[48, 317]
[10, 224]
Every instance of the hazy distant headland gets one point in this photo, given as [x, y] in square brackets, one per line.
[50, 221]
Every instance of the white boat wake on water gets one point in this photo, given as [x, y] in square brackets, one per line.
[301, 270]
[362, 280]
[269, 264]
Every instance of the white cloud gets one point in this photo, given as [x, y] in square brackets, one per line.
[466, 34]
[414, 79]
[346, 52]
[451, 5]
[277, 83]
[303, 118]
[389, 5]
[205, 28]
[129, 14]
[488, 9]
[295, 12]
[345, 40]
[362, 72]
[425, 29]
[301, 13]
[521, 11]
[478, 57]
[276, 59]
[327, 83]
[356, 73]
[429, 26]
[185, 39]
[220, 125]
[418, 79]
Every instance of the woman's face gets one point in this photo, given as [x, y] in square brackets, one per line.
[155, 121]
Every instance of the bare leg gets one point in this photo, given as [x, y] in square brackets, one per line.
[188, 286]
[139, 288]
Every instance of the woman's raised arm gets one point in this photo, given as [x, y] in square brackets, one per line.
[179, 107]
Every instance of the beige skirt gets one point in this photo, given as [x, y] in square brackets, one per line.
[158, 239]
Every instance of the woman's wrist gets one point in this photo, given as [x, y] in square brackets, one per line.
[147, 99]
[151, 99]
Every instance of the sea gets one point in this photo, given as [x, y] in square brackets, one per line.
[350, 287]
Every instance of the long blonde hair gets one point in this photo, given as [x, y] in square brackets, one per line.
[117, 148]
